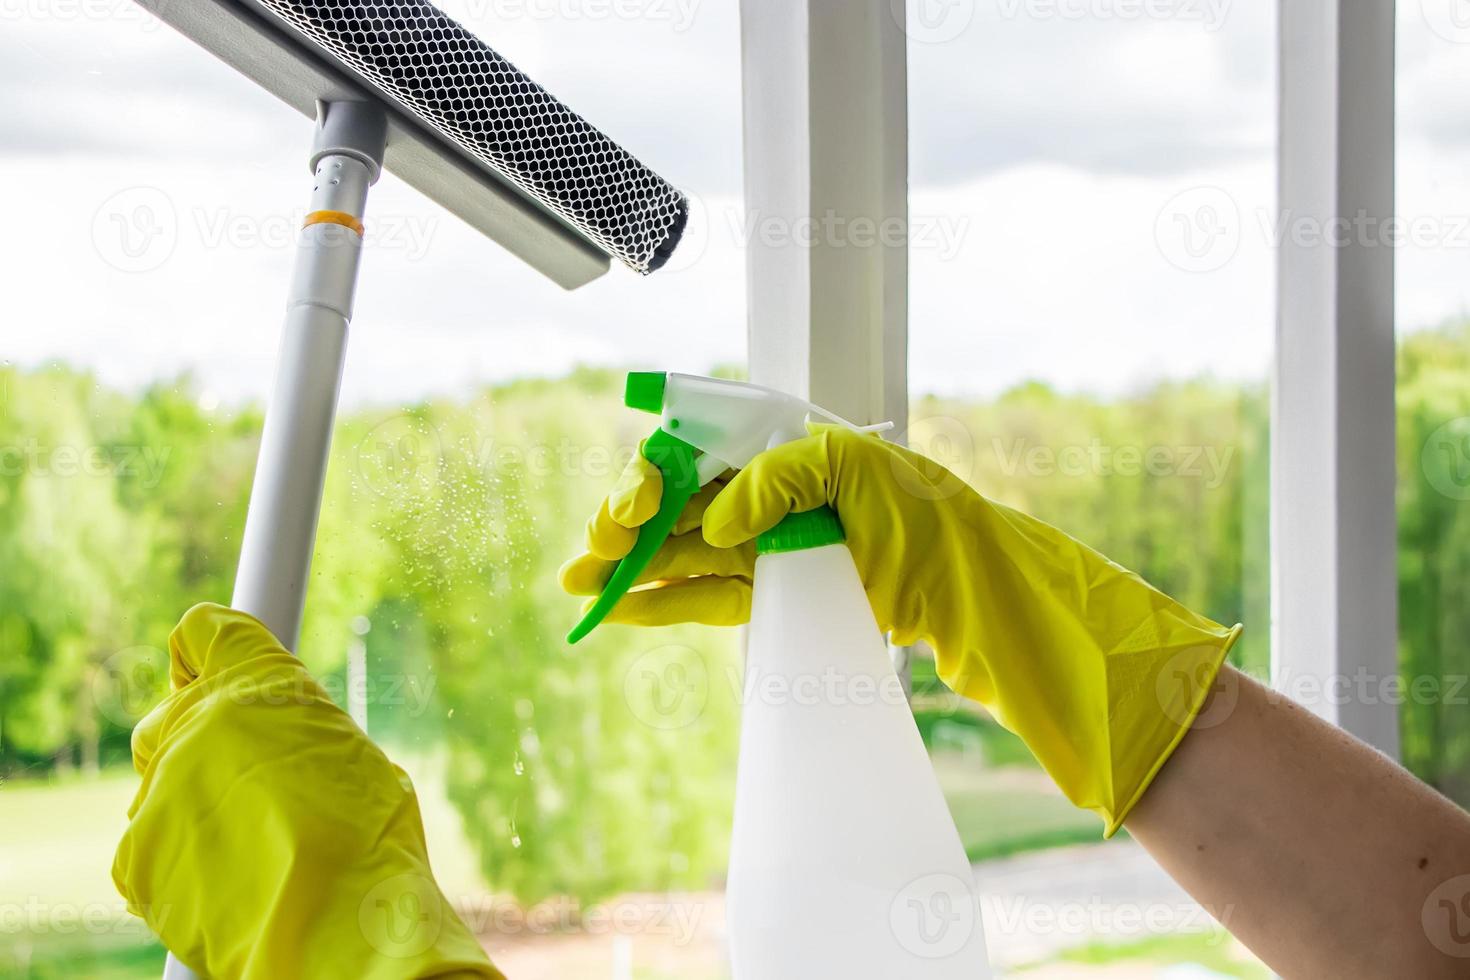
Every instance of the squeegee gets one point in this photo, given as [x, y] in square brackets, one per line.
[401, 86]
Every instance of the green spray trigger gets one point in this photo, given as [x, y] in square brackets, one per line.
[721, 425]
[677, 463]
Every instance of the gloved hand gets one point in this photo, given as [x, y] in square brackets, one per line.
[270, 839]
[1099, 673]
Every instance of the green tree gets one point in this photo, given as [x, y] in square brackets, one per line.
[1434, 555]
[70, 559]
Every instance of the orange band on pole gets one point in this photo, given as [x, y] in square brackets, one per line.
[333, 218]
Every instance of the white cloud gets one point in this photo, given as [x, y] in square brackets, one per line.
[1054, 144]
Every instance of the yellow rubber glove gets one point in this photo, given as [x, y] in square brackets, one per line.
[270, 839]
[1099, 673]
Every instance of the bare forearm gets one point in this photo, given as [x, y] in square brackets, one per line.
[1317, 852]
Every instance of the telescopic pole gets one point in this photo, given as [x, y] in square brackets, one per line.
[280, 527]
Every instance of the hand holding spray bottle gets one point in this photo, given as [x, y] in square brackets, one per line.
[845, 861]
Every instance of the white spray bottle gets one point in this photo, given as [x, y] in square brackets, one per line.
[845, 861]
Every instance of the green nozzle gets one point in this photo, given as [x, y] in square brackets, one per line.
[676, 462]
[645, 391]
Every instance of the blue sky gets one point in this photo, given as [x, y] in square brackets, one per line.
[1060, 151]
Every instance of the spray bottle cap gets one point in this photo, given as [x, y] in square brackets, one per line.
[645, 391]
[721, 425]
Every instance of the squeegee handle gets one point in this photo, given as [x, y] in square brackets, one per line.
[677, 464]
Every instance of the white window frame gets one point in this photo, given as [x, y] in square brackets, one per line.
[826, 142]
[825, 87]
[826, 134]
[1334, 526]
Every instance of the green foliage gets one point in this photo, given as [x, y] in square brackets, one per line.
[441, 531]
[1171, 482]
[1434, 556]
[1213, 950]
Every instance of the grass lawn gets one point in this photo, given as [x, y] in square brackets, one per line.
[1215, 951]
[1010, 810]
[59, 913]
[61, 917]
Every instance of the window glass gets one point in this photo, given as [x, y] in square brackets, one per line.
[1433, 201]
[154, 196]
[1092, 303]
